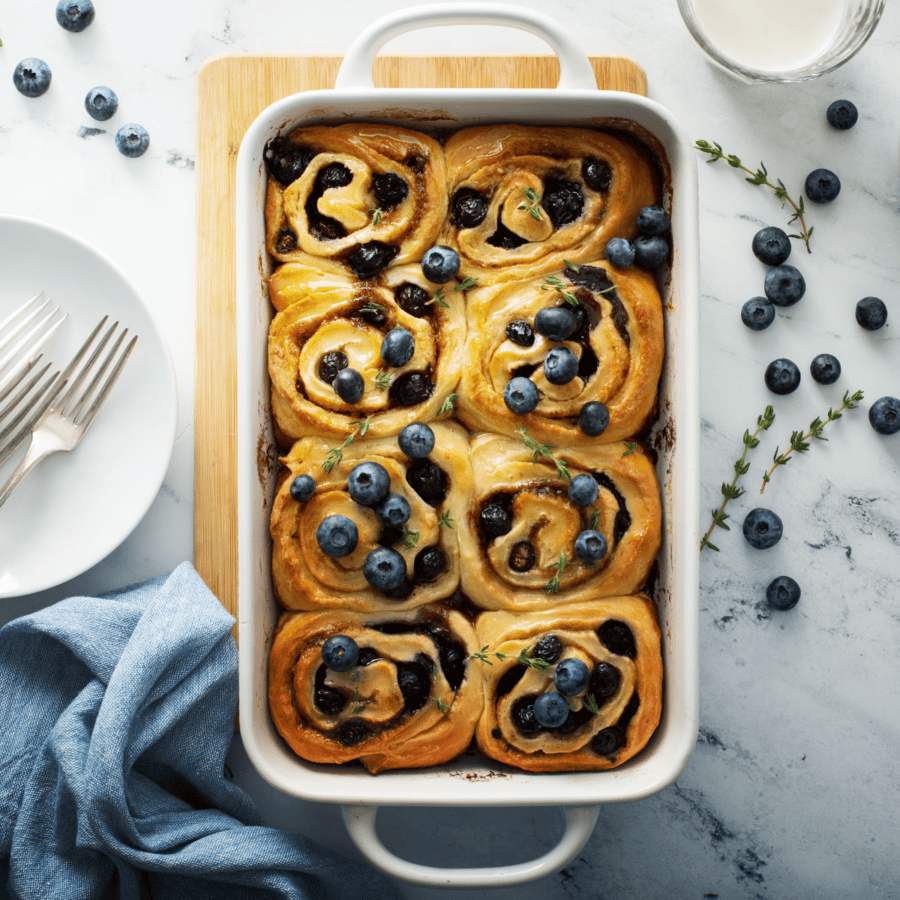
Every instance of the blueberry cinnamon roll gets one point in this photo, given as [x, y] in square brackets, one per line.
[548, 526]
[364, 195]
[392, 690]
[370, 524]
[575, 688]
[523, 199]
[342, 351]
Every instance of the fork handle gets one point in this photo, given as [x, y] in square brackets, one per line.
[37, 451]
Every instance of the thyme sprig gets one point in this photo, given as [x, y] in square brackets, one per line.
[552, 586]
[446, 520]
[376, 215]
[447, 405]
[357, 706]
[443, 707]
[464, 285]
[545, 450]
[532, 201]
[632, 446]
[336, 454]
[371, 306]
[523, 659]
[732, 491]
[800, 441]
[411, 538]
[555, 283]
[591, 704]
[595, 515]
[383, 379]
[761, 176]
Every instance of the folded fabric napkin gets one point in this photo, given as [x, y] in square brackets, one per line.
[116, 714]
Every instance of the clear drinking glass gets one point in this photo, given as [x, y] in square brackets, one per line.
[769, 41]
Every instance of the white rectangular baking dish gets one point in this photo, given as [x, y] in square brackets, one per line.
[575, 101]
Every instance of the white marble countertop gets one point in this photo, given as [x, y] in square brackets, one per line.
[792, 789]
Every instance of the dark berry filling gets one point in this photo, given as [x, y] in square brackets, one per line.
[616, 636]
[520, 332]
[369, 259]
[548, 648]
[390, 534]
[329, 701]
[330, 364]
[411, 388]
[429, 563]
[390, 190]
[563, 201]
[334, 175]
[503, 237]
[522, 557]
[372, 316]
[608, 741]
[575, 720]
[413, 299]
[468, 208]
[523, 716]
[509, 679]
[366, 655]
[597, 174]
[401, 592]
[453, 661]
[605, 681]
[353, 732]
[286, 240]
[495, 520]
[622, 522]
[414, 680]
[428, 480]
[286, 161]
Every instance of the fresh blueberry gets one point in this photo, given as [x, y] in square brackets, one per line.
[783, 593]
[393, 510]
[653, 220]
[571, 677]
[782, 376]
[440, 264]
[340, 653]
[590, 546]
[593, 418]
[871, 313]
[650, 250]
[302, 488]
[398, 347]
[560, 365]
[521, 395]
[620, 253]
[132, 140]
[554, 322]
[825, 369]
[884, 416]
[348, 384]
[32, 77]
[337, 536]
[822, 186]
[762, 528]
[384, 568]
[784, 285]
[583, 490]
[758, 313]
[551, 710]
[101, 103]
[842, 114]
[74, 15]
[520, 332]
[771, 246]
[369, 483]
[416, 440]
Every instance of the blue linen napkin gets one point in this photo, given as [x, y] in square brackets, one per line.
[116, 714]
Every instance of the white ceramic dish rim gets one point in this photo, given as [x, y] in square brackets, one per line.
[469, 781]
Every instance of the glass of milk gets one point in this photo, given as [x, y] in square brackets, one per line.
[780, 40]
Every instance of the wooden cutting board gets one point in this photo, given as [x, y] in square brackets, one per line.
[231, 91]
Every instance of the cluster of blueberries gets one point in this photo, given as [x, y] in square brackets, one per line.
[762, 530]
[590, 545]
[649, 248]
[32, 78]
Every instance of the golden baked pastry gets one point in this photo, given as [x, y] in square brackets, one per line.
[412, 699]
[517, 542]
[523, 199]
[609, 721]
[328, 321]
[437, 489]
[618, 342]
[364, 195]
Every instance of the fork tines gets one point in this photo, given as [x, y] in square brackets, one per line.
[21, 339]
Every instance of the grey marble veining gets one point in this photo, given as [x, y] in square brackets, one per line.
[793, 788]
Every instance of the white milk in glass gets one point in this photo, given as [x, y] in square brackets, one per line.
[770, 35]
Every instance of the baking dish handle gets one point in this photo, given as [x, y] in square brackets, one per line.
[579, 823]
[575, 71]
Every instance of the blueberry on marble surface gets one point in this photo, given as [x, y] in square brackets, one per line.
[340, 653]
[593, 418]
[650, 250]
[653, 220]
[783, 593]
[590, 546]
[74, 15]
[758, 313]
[871, 313]
[620, 253]
[101, 103]
[842, 114]
[549, 648]
[416, 440]
[762, 528]
[571, 677]
[784, 285]
[32, 77]
[560, 365]
[521, 395]
[384, 568]
[302, 488]
[822, 186]
[348, 384]
[398, 347]
[132, 140]
[771, 246]
[337, 536]
[440, 264]
[782, 376]
[520, 332]
[583, 490]
[884, 415]
[555, 323]
[825, 369]
[368, 483]
[393, 510]
[551, 710]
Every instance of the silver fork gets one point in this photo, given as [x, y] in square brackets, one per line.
[65, 421]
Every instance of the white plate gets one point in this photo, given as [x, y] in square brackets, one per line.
[75, 508]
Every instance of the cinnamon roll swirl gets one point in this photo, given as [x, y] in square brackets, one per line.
[411, 699]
